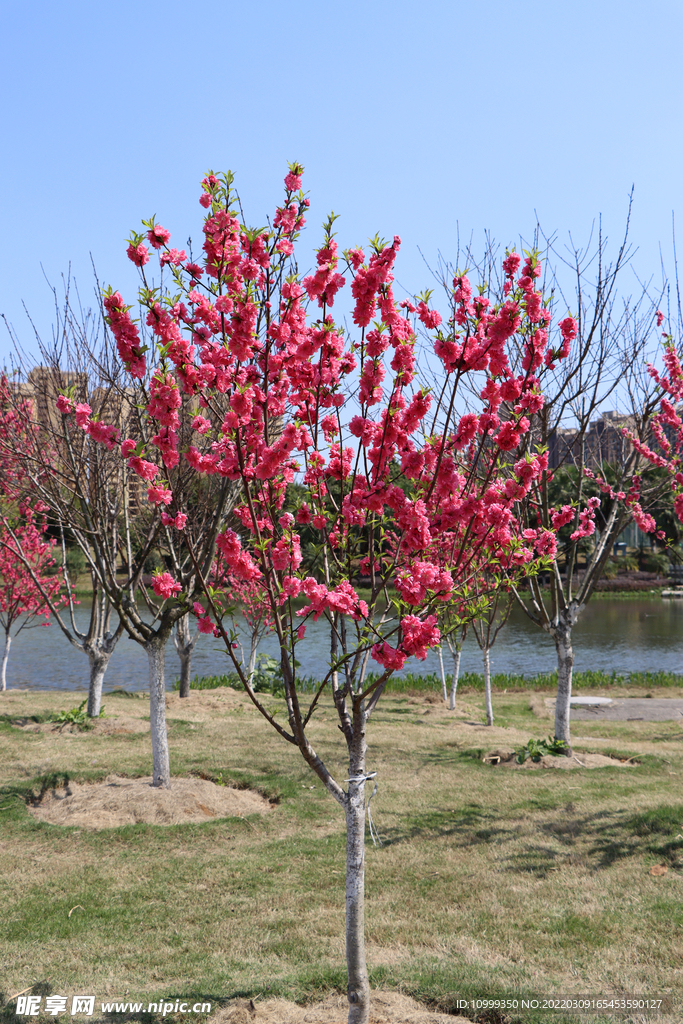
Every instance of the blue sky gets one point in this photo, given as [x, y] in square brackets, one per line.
[415, 119]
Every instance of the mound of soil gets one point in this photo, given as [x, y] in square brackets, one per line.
[119, 801]
[122, 724]
[508, 759]
[385, 1008]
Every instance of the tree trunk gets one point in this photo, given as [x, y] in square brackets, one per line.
[358, 991]
[252, 658]
[184, 645]
[487, 686]
[99, 662]
[161, 772]
[5, 656]
[444, 693]
[562, 635]
[456, 673]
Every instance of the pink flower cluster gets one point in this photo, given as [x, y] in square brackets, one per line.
[126, 334]
[240, 562]
[586, 525]
[418, 635]
[165, 586]
[326, 282]
[102, 433]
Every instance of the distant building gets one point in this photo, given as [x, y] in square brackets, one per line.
[603, 443]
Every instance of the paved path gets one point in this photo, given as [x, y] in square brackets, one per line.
[629, 709]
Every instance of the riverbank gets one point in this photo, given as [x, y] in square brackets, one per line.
[473, 682]
[622, 635]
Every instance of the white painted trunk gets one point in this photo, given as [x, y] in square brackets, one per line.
[562, 635]
[5, 656]
[358, 991]
[99, 662]
[487, 687]
[444, 693]
[252, 657]
[161, 772]
[456, 673]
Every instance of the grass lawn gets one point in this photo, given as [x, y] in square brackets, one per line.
[491, 881]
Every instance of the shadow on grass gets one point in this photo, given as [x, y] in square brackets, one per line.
[594, 841]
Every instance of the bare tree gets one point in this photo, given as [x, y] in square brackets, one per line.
[95, 497]
[607, 364]
[486, 630]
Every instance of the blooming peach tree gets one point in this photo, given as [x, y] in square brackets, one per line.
[252, 380]
[665, 450]
[28, 570]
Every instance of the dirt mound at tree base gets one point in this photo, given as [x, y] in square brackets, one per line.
[508, 758]
[119, 726]
[119, 801]
[385, 1008]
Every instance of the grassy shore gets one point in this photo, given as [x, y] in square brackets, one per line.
[490, 881]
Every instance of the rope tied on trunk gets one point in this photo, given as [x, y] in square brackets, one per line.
[360, 780]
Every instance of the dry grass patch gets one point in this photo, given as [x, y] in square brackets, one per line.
[385, 1008]
[118, 801]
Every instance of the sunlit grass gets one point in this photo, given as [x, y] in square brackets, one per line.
[489, 880]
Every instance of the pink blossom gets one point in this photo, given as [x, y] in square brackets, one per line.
[177, 521]
[429, 317]
[175, 257]
[388, 656]
[157, 494]
[83, 411]
[147, 470]
[138, 254]
[511, 264]
[419, 635]
[291, 586]
[103, 433]
[293, 181]
[126, 334]
[303, 516]
[65, 405]
[508, 436]
[201, 424]
[546, 543]
[562, 517]
[158, 236]
[165, 586]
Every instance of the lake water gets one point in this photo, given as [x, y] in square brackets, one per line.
[622, 635]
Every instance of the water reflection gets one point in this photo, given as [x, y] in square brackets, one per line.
[622, 635]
